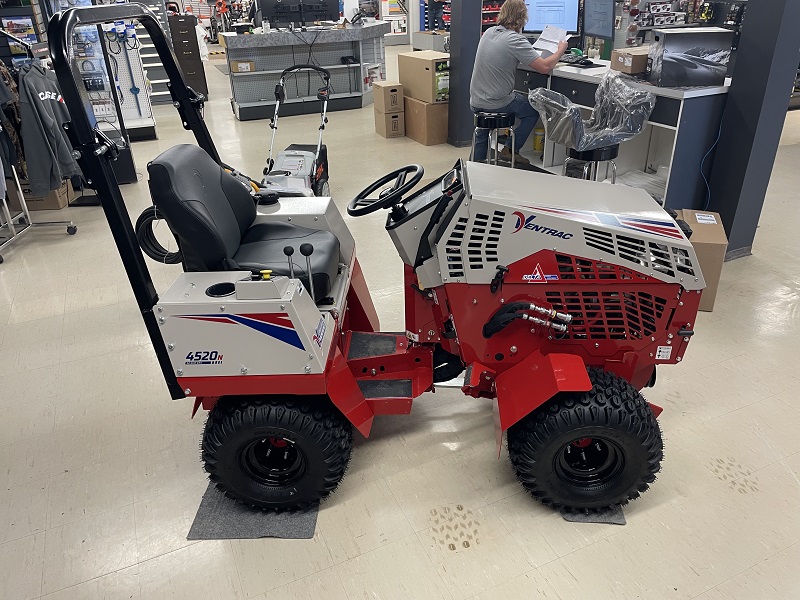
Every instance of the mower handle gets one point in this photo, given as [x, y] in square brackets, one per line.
[326, 75]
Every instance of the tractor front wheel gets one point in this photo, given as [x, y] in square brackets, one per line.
[590, 450]
[276, 453]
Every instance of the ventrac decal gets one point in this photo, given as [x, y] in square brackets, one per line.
[659, 227]
[275, 325]
[528, 223]
[538, 276]
[319, 334]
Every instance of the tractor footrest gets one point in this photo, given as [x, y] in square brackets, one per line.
[387, 396]
[385, 388]
[367, 345]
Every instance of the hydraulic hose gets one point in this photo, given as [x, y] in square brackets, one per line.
[147, 239]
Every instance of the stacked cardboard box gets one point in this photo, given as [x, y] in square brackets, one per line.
[630, 60]
[710, 244]
[389, 117]
[53, 200]
[425, 77]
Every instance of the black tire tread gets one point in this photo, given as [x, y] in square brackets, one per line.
[612, 402]
[327, 427]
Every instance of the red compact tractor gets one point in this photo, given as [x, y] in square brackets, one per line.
[558, 297]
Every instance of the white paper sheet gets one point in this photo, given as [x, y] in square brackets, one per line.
[550, 38]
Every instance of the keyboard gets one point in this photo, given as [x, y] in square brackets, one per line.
[578, 61]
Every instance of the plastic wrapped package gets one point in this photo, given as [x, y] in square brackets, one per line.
[619, 114]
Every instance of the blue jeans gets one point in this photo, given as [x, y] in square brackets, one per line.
[435, 15]
[527, 117]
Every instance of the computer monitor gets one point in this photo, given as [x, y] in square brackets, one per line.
[559, 13]
[320, 10]
[598, 19]
[282, 12]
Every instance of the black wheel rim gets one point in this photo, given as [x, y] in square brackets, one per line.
[273, 461]
[590, 461]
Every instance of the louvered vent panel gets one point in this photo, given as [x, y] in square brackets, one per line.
[648, 256]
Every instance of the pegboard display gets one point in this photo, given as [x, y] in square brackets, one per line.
[259, 87]
[256, 62]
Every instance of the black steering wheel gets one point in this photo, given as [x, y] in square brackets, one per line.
[362, 204]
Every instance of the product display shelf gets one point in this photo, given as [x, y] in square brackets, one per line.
[491, 8]
[150, 60]
[794, 100]
[252, 91]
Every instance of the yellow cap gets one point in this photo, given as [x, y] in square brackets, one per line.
[266, 273]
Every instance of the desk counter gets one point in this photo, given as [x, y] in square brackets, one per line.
[682, 129]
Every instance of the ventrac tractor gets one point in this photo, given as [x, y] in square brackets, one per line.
[558, 298]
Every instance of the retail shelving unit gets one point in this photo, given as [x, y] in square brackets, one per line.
[394, 12]
[491, 8]
[252, 91]
[794, 101]
[152, 64]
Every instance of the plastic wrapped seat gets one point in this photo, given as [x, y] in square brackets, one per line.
[620, 113]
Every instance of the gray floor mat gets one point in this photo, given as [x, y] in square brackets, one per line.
[613, 516]
[223, 68]
[220, 518]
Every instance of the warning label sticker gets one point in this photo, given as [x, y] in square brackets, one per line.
[664, 353]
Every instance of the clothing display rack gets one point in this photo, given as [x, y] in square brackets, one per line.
[22, 217]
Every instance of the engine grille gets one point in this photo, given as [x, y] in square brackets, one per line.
[662, 258]
[609, 314]
[476, 241]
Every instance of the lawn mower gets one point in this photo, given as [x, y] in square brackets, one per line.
[301, 169]
[560, 297]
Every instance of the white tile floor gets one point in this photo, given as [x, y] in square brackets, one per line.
[100, 477]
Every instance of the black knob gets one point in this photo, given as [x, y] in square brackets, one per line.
[288, 250]
[306, 249]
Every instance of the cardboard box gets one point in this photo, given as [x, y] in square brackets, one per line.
[426, 123]
[242, 66]
[388, 97]
[222, 37]
[390, 125]
[710, 244]
[425, 75]
[630, 60]
[696, 56]
[54, 200]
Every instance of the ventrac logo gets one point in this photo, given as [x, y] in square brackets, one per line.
[528, 223]
[319, 334]
[51, 96]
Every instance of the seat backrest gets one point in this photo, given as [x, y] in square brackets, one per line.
[206, 208]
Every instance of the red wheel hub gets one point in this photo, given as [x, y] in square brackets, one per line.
[582, 442]
[278, 442]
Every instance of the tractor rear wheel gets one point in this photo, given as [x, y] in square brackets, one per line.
[590, 450]
[276, 452]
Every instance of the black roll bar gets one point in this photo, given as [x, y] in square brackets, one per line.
[94, 151]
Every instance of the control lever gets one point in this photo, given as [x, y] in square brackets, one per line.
[288, 251]
[307, 250]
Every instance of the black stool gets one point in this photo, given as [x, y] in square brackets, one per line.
[591, 160]
[493, 122]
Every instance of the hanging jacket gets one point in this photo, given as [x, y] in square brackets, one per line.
[48, 153]
[10, 146]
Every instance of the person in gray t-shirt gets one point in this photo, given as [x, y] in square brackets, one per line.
[501, 49]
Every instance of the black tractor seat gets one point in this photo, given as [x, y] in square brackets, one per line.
[212, 215]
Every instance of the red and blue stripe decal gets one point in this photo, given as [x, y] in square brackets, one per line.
[652, 226]
[275, 325]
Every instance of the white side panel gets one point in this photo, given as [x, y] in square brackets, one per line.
[231, 336]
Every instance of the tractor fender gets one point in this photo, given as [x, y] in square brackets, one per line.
[342, 388]
[533, 381]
